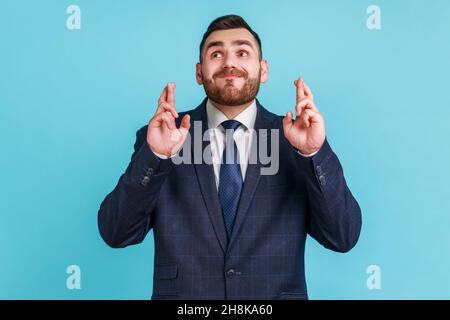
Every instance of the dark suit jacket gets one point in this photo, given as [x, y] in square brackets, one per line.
[264, 257]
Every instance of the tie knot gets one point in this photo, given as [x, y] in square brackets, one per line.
[230, 124]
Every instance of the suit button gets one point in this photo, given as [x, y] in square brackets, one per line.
[322, 180]
[149, 171]
[230, 273]
[319, 170]
[145, 181]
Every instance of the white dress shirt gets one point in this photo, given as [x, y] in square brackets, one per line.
[242, 136]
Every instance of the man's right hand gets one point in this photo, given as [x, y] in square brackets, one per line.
[163, 137]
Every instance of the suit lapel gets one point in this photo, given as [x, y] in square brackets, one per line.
[206, 179]
[253, 172]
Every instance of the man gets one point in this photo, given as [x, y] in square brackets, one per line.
[223, 229]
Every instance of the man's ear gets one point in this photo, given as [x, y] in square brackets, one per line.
[264, 70]
[198, 73]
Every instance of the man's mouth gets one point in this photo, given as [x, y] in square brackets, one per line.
[230, 76]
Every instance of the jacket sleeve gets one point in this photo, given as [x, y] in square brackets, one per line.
[125, 215]
[335, 216]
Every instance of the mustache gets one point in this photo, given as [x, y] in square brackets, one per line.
[233, 72]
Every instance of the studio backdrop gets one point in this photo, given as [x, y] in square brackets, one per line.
[78, 78]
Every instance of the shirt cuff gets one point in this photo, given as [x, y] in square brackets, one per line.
[307, 155]
[162, 156]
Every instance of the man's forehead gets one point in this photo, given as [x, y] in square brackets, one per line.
[230, 36]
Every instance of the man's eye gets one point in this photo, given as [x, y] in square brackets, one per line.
[216, 54]
[242, 53]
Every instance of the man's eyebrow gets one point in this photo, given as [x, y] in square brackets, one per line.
[235, 42]
[243, 42]
[214, 44]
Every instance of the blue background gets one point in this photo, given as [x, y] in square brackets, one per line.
[72, 100]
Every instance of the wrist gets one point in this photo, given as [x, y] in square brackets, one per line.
[160, 154]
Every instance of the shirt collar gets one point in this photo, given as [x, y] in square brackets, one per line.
[215, 117]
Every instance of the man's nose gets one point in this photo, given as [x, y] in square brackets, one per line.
[230, 61]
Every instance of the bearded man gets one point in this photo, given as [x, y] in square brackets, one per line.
[224, 228]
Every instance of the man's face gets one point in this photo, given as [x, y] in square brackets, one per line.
[231, 70]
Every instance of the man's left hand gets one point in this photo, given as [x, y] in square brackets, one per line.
[307, 132]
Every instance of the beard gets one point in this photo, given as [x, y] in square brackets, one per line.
[229, 95]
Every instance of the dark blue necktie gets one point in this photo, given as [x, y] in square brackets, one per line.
[230, 180]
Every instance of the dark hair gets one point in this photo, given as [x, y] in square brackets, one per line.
[229, 22]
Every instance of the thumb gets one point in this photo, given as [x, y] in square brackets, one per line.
[287, 121]
[185, 125]
[185, 122]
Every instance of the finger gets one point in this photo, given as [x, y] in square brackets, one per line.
[164, 118]
[162, 99]
[304, 119]
[300, 93]
[306, 103]
[287, 121]
[169, 120]
[178, 136]
[163, 96]
[308, 91]
[309, 117]
[171, 93]
[165, 106]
